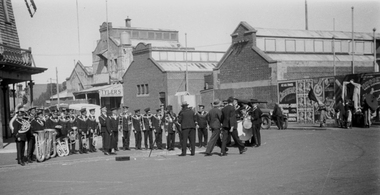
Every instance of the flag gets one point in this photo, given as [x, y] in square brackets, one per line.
[312, 96]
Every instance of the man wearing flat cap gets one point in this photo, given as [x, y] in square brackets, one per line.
[202, 126]
[214, 119]
[256, 122]
[147, 128]
[229, 126]
[188, 121]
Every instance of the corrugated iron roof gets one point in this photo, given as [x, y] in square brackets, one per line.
[156, 43]
[191, 66]
[317, 57]
[267, 32]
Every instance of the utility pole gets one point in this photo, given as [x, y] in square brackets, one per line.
[187, 74]
[375, 67]
[306, 19]
[353, 44]
[56, 69]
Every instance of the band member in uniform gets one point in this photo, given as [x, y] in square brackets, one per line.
[82, 125]
[127, 121]
[202, 126]
[157, 123]
[36, 125]
[256, 122]
[188, 121]
[230, 126]
[63, 121]
[29, 135]
[170, 129]
[52, 121]
[112, 126]
[214, 118]
[136, 128]
[92, 129]
[106, 134]
[72, 123]
[147, 128]
[19, 128]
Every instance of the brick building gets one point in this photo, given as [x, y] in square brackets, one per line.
[100, 82]
[157, 75]
[16, 66]
[258, 58]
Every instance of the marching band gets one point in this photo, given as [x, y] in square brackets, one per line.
[61, 132]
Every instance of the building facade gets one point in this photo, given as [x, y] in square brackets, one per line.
[158, 75]
[258, 58]
[16, 66]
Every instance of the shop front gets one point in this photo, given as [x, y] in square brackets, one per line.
[109, 96]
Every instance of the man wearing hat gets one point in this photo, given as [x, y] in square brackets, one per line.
[19, 128]
[147, 128]
[92, 130]
[230, 126]
[37, 124]
[126, 122]
[112, 126]
[52, 121]
[82, 125]
[157, 124]
[106, 134]
[188, 121]
[136, 128]
[256, 122]
[169, 127]
[214, 119]
[202, 126]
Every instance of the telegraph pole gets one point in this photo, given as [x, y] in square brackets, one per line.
[187, 74]
[56, 69]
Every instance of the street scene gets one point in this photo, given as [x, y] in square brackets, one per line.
[189, 97]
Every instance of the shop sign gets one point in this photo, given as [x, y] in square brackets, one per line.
[112, 91]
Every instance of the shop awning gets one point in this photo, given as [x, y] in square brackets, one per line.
[115, 90]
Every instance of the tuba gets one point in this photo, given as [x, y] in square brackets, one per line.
[51, 143]
[84, 140]
[63, 148]
[40, 145]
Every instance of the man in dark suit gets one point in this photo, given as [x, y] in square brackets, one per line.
[187, 119]
[136, 128]
[106, 134]
[112, 125]
[82, 125]
[202, 126]
[230, 126]
[214, 119]
[256, 122]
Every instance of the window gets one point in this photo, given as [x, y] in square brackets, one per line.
[158, 35]
[173, 36]
[156, 55]
[6, 13]
[171, 56]
[142, 90]
[300, 45]
[270, 45]
[151, 35]
[359, 47]
[143, 34]
[337, 46]
[135, 34]
[196, 57]
[280, 45]
[163, 56]
[309, 45]
[290, 45]
[212, 57]
[204, 56]
[345, 47]
[368, 47]
[327, 46]
[318, 46]
[166, 35]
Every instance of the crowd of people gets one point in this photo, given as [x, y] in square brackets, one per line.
[221, 120]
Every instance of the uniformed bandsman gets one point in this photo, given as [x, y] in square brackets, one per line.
[106, 134]
[71, 125]
[126, 122]
[52, 121]
[112, 126]
[82, 130]
[19, 127]
[29, 135]
[169, 128]
[147, 128]
[157, 121]
[93, 130]
[136, 128]
[37, 124]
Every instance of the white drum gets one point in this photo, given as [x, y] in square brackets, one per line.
[244, 134]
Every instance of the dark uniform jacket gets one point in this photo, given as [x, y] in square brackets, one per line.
[229, 117]
[112, 124]
[17, 125]
[147, 122]
[51, 123]
[64, 124]
[136, 123]
[126, 120]
[187, 119]
[82, 123]
[214, 118]
[169, 122]
[201, 119]
[156, 123]
[103, 124]
[72, 122]
[256, 116]
[37, 125]
[92, 124]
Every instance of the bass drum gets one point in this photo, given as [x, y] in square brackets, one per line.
[244, 134]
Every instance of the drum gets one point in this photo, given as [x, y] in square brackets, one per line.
[243, 133]
[247, 123]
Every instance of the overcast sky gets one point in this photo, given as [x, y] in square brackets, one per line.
[53, 31]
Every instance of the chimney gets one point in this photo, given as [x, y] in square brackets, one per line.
[128, 22]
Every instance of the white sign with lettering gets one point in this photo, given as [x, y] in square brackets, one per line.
[112, 91]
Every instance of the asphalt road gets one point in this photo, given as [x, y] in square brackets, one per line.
[338, 161]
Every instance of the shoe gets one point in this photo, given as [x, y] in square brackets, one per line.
[80, 152]
[182, 155]
[94, 150]
[243, 150]
[22, 163]
[30, 160]
[112, 153]
[192, 154]
[208, 154]
[127, 149]
[223, 154]
[226, 149]
[106, 153]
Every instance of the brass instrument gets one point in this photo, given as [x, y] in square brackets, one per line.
[63, 147]
[51, 149]
[94, 139]
[84, 140]
[40, 145]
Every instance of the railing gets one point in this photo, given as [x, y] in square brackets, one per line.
[16, 55]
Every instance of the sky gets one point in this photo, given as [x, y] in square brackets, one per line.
[52, 33]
